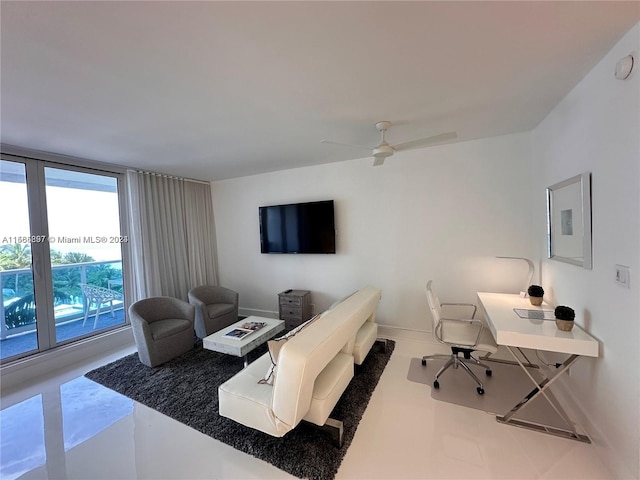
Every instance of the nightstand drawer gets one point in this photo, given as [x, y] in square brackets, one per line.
[290, 302]
[288, 311]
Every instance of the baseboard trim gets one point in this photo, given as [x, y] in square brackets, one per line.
[399, 333]
[247, 312]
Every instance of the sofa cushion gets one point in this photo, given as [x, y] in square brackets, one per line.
[329, 385]
[243, 399]
[168, 327]
[365, 338]
[218, 309]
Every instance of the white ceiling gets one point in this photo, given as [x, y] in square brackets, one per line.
[215, 90]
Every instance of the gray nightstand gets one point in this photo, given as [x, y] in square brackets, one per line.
[294, 307]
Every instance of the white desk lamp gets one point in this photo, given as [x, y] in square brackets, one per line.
[523, 293]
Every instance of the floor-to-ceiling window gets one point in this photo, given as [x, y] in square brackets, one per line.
[61, 254]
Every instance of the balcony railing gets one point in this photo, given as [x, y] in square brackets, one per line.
[17, 286]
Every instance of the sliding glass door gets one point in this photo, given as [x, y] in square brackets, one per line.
[16, 264]
[85, 250]
[61, 255]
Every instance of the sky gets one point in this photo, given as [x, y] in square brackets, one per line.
[71, 212]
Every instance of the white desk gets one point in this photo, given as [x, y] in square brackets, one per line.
[511, 331]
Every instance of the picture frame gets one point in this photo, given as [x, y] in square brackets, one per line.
[569, 221]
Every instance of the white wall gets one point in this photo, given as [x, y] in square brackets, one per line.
[596, 128]
[445, 212]
[440, 213]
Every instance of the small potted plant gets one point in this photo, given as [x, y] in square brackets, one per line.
[564, 318]
[536, 292]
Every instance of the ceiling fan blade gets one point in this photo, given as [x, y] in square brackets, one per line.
[377, 161]
[423, 142]
[345, 144]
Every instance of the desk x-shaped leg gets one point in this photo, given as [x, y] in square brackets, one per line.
[540, 389]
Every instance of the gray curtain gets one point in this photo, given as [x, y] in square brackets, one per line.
[172, 235]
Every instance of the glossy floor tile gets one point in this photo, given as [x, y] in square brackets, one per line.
[68, 427]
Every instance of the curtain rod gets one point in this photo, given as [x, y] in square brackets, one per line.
[164, 175]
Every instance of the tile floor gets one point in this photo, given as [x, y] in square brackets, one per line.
[68, 427]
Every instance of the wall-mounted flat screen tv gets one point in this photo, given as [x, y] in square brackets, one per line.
[298, 228]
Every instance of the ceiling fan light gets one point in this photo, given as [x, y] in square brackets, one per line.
[382, 151]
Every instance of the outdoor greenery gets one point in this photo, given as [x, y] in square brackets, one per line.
[23, 311]
[17, 255]
[66, 281]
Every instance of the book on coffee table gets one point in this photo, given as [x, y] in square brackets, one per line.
[253, 326]
[245, 329]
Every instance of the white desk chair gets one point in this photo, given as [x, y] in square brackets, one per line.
[462, 335]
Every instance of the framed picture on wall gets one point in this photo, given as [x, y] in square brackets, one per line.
[569, 221]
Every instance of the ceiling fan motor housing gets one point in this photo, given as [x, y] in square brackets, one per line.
[383, 150]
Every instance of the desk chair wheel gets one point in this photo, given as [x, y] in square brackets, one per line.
[424, 362]
[480, 390]
[489, 373]
[436, 384]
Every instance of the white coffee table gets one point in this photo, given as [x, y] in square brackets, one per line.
[240, 348]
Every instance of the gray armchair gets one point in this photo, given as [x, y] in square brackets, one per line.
[162, 328]
[216, 308]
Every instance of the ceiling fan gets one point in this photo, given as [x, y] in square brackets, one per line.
[384, 150]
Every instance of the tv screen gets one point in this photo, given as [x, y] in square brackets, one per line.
[298, 228]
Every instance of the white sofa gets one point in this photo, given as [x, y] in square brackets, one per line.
[313, 369]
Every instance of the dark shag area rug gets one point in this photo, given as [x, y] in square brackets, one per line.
[186, 389]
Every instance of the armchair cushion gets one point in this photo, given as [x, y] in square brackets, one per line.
[218, 309]
[168, 327]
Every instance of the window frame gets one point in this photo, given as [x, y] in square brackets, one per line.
[35, 164]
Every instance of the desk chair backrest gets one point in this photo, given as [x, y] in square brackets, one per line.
[436, 313]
